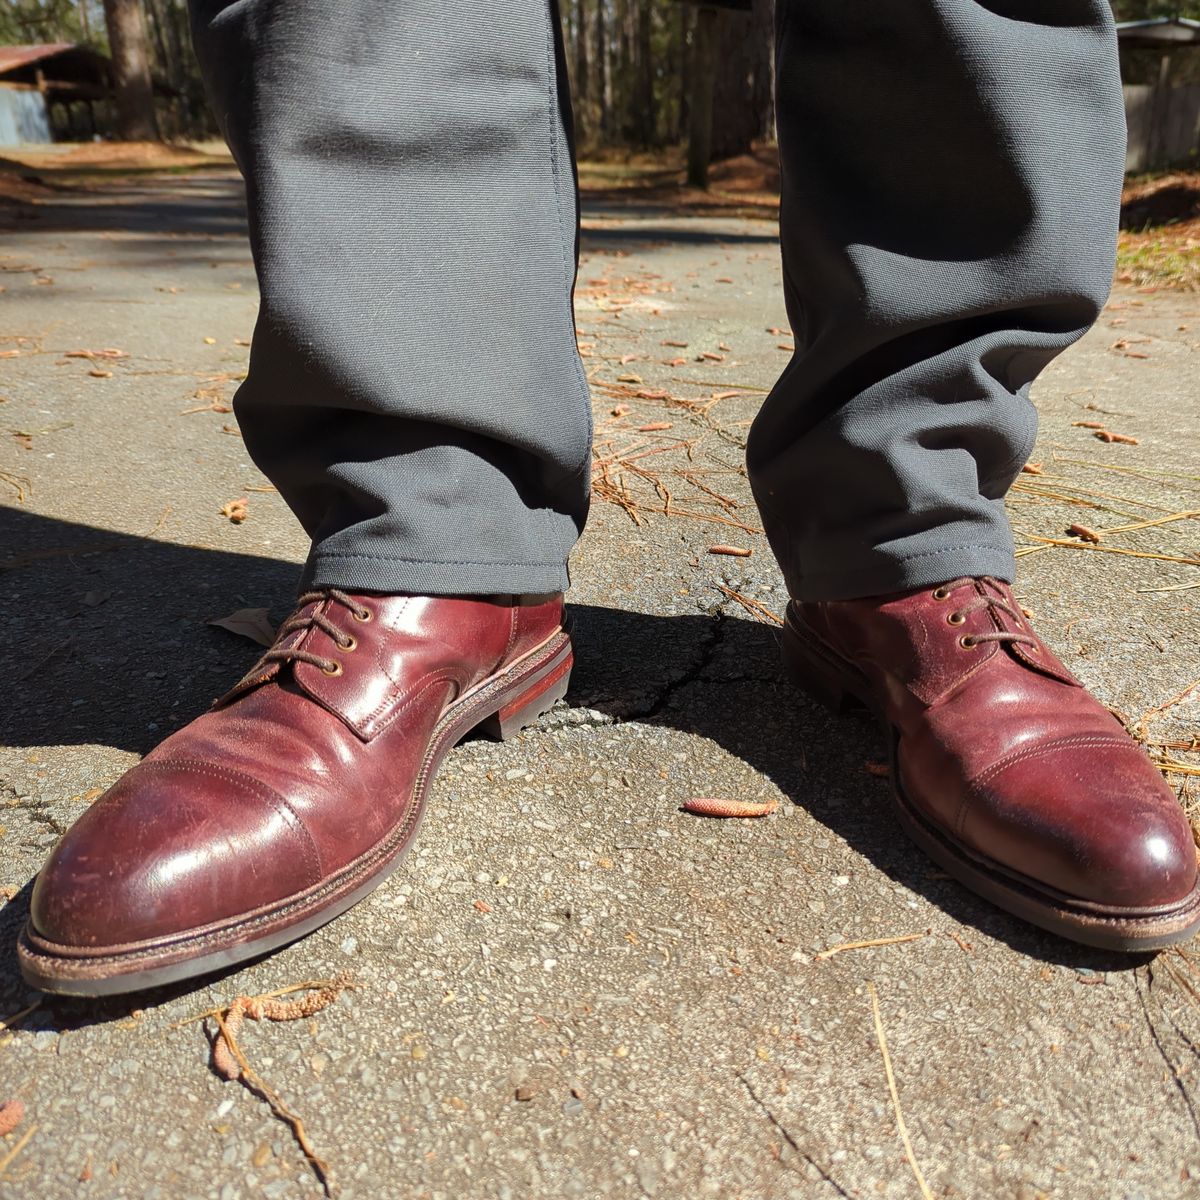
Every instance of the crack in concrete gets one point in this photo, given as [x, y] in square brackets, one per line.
[708, 648]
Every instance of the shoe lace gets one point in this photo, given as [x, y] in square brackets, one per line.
[300, 621]
[985, 599]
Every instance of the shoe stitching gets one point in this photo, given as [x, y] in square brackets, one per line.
[975, 786]
[262, 791]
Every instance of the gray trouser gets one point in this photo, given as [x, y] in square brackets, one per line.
[951, 179]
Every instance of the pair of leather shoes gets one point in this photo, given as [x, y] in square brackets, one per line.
[303, 787]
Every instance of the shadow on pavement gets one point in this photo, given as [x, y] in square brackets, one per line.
[107, 646]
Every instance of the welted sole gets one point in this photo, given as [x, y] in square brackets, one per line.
[836, 683]
[500, 707]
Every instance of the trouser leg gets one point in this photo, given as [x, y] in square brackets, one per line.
[951, 184]
[414, 389]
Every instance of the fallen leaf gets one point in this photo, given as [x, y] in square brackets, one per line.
[96, 373]
[210, 341]
[1083, 533]
[734, 551]
[1033, 468]
[483, 906]
[1105, 436]
[629, 379]
[676, 362]
[235, 510]
[249, 623]
[710, 806]
[620, 410]
[710, 356]
[110, 353]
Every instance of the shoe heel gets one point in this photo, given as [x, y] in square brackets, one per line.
[810, 671]
[531, 702]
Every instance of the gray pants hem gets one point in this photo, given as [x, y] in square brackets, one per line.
[382, 573]
[902, 574]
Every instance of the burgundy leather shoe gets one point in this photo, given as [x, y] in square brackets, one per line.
[295, 796]
[1005, 771]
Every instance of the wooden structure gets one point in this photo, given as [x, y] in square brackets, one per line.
[56, 91]
[1163, 117]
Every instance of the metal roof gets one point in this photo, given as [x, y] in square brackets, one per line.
[1160, 31]
[12, 57]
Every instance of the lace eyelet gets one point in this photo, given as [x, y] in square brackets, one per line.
[967, 642]
[349, 645]
[955, 618]
[333, 671]
[941, 594]
[363, 616]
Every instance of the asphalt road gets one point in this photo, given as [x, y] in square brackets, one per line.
[640, 1011]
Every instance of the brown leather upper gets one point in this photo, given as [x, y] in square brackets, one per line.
[1002, 747]
[304, 766]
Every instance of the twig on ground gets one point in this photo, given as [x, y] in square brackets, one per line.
[251, 1078]
[1140, 729]
[65, 644]
[230, 1062]
[10, 1021]
[891, 1082]
[19, 483]
[869, 943]
[752, 606]
[7, 1160]
[1178, 558]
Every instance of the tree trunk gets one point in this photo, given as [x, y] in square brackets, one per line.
[132, 86]
[685, 70]
[744, 81]
[704, 68]
[647, 119]
[582, 94]
[603, 78]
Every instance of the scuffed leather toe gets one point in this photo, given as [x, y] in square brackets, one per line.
[1117, 839]
[173, 847]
